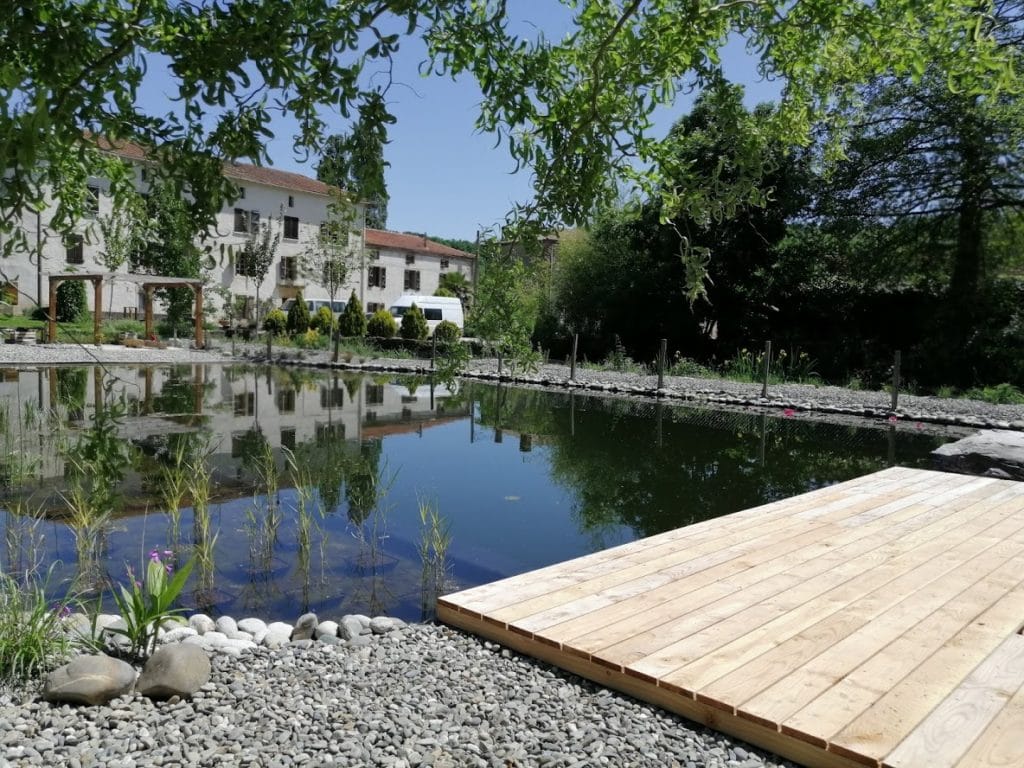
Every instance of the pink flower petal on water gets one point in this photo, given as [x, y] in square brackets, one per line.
[788, 412]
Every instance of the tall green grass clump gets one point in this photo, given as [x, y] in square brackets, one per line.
[32, 638]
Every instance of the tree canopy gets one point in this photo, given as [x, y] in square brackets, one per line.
[578, 112]
[354, 162]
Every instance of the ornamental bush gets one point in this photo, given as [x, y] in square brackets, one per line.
[276, 322]
[414, 324]
[322, 321]
[382, 325]
[71, 302]
[353, 320]
[447, 332]
[298, 316]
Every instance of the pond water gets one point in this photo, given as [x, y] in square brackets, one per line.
[309, 490]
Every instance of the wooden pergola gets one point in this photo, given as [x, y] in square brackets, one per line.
[149, 283]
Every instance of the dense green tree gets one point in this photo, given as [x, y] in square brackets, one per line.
[171, 251]
[577, 110]
[298, 316]
[506, 305]
[71, 301]
[455, 284]
[353, 320]
[414, 325]
[354, 162]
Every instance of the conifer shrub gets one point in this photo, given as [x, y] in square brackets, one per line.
[414, 324]
[353, 320]
[298, 316]
[447, 332]
[382, 325]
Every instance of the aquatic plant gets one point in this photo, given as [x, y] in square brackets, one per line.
[145, 604]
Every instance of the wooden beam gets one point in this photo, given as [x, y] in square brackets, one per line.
[199, 315]
[51, 335]
[148, 301]
[97, 290]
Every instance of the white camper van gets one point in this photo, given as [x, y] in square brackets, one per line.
[434, 309]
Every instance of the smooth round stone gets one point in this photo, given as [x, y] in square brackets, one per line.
[202, 623]
[226, 625]
[252, 626]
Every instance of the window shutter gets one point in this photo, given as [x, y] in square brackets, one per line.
[383, 278]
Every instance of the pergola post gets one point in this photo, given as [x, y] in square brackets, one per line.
[97, 289]
[198, 289]
[52, 330]
[148, 301]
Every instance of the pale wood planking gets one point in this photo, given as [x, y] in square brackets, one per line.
[829, 642]
[953, 726]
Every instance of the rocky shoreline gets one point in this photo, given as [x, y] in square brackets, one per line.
[413, 695]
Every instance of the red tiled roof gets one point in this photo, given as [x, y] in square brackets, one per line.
[398, 241]
[255, 174]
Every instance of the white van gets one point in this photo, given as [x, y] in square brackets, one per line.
[434, 309]
[337, 307]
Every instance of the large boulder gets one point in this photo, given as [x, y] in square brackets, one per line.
[995, 452]
[89, 680]
[174, 670]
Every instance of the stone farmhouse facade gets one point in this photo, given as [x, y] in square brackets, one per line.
[383, 265]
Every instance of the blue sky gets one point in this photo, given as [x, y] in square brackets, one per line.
[445, 178]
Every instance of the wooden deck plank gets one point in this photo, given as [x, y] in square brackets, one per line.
[1000, 745]
[953, 726]
[541, 581]
[862, 622]
[803, 685]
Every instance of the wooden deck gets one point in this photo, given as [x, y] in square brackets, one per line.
[876, 622]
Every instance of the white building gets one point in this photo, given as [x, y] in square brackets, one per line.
[292, 205]
[399, 263]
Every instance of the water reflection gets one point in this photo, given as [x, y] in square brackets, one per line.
[301, 490]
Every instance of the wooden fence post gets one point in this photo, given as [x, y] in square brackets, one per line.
[662, 352]
[572, 363]
[767, 367]
[895, 379]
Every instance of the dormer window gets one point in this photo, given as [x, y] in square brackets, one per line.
[410, 258]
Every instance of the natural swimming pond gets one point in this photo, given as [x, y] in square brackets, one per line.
[311, 490]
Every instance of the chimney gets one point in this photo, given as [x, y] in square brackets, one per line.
[424, 239]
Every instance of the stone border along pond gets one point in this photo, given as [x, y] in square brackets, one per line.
[829, 401]
[357, 692]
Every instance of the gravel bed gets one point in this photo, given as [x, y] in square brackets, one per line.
[422, 696]
[109, 354]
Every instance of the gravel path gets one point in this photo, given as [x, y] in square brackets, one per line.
[421, 696]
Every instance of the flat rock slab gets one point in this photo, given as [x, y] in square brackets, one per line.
[997, 452]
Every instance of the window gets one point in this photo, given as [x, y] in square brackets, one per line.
[410, 258]
[288, 438]
[291, 201]
[431, 313]
[444, 263]
[412, 279]
[74, 252]
[374, 394]
[377, 278]
[291, 228]
[92, 200]
[245, 404]
[285, 400]
[325, 432]
[332, 398]
[241, 193]
[373, 254]
[246, 221]
[288, 269]
[374, 306]
[144, 174]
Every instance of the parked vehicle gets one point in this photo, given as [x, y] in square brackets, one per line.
[434, 309]
[337, 307]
